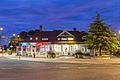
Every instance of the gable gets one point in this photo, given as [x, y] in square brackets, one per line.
[65, 34]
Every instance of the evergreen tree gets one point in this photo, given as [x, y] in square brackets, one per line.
[100, 37]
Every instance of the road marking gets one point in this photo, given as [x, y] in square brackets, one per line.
[64, 67]
[17, 65]
[5, 68]
[27, 68]
[82, 67]
[100, 67]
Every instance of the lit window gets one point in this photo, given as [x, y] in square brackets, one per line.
[70, 38]
[58, 38]
[63, 38]
[31, 38]
[36, 38]
[44, 38]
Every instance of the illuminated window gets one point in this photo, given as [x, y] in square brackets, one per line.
[58, 38]
[63, 38]
[44, 38]
[24, 44]
[31, 38]
[70, 38]
[36, 38]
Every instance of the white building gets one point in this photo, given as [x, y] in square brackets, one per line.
[60, 42]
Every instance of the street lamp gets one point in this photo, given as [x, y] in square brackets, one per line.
[14, 35]
[1, 29]
[119, 32]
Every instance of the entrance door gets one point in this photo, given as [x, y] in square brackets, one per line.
[65, 49]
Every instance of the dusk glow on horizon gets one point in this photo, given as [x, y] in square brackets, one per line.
[25, 15]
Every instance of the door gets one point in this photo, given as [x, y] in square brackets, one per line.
[65, 49]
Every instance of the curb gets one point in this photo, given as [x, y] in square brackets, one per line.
[61, 61]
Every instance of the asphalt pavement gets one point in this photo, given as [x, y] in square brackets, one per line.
[68, 60]
[13, 69]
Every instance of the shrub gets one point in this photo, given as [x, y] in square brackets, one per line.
[51, 54]
[78, 54]
[87, 54]
[10, 52]
[117, 53]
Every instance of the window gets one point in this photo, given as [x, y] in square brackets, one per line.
[36, 38]
[63, 38]
[83, 49]
[44, 38]
[58, 38]
[70, 38]
[31, 38]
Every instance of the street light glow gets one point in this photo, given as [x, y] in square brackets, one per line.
[119, 31]
[14, 34]
[18, 35]
[1, 29]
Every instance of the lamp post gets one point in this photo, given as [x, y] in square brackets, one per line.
[1, 29]
[119, 36]
[14, 35]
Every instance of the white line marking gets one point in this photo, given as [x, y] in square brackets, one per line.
[82, 67]
[5, 68]
[27, 68]
[100, 67]
[64, 67]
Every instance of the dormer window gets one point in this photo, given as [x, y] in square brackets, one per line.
[58, 38]
[36, 38]
[70, 39]
[63, 38]
[45, 39]
[31, 38]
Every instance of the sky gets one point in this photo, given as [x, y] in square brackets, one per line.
[25, 15]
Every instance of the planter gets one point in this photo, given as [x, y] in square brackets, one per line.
[102, 57]
[51, 55]
[78, 54]
[10, 53]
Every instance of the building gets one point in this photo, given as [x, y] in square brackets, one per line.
[61, 42]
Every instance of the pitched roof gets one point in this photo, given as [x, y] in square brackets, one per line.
[52, 36]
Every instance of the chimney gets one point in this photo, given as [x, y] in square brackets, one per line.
[74, 29]
[40, 28]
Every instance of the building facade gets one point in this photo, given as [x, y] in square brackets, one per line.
[59, 42]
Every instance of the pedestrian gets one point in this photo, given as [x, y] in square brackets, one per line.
[33, 54]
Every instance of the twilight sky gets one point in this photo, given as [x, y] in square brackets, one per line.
[25, 15]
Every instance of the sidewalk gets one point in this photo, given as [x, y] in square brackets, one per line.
[65, 60]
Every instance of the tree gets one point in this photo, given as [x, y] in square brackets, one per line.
[23, 35]
[32, 32]
[100, 37]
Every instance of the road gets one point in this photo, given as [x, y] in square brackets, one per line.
[27, 70]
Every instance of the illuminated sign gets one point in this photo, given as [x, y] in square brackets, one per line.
[24, 44]
[40, 43]
[32, 43]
